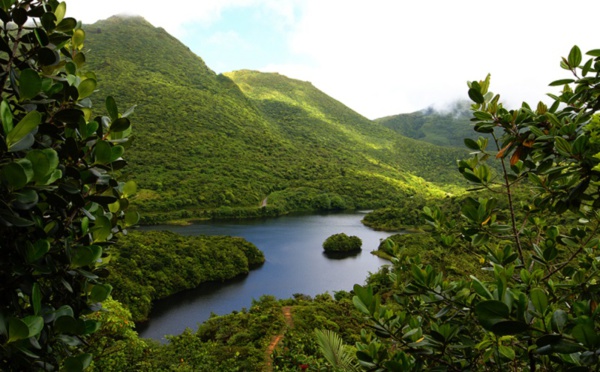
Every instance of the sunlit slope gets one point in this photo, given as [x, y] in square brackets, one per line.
[305, 115]
[203, 144]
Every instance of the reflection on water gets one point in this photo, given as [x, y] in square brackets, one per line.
[295, 263]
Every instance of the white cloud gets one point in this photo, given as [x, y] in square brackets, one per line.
[384, 57]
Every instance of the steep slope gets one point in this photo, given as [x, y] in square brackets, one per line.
[439, 128]
[442, 128]
[206, 148]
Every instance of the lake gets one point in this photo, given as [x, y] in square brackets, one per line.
[295, 263]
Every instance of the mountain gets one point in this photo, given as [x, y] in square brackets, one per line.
[447, 128]
[209, 145]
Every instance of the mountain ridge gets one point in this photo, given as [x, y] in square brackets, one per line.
[215, 145]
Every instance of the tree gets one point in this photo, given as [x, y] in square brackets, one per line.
[342, 243]
[61, 203]
[537, 308]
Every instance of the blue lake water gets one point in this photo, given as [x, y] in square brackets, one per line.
[295, 263]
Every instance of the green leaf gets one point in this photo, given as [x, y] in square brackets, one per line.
[86, 256]
[594, 53]
[120, 125]
[37, 250]
[103, 152]
[30, 84]
[66, 324]
[77, 363]
[44, 163]
[563, 146]
[60, 12]
[17, 330]
[561, 82]
[506, 351]
[35, 324]
[6, 116]
[491, 312]
[66, 25]
[586, 334]
[77, 40]
[129, 189]
[480, 288]
[473, 145]
[559, 320]
[111, 107]
[86, 88]
[574, 57]
[17, 174]
[476, 96]
[131, 218]
[101, 229]
[539, 299]
[508, 327]
[100, 292]
[24, 127]
[36, 298]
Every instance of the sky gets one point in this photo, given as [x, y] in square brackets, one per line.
[379, 57]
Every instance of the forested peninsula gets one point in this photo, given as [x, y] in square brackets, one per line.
[110, 125]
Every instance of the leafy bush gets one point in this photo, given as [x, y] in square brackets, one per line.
[342, 243]
[536, 309]
[61, 203]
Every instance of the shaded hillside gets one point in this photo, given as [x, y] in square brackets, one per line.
[438, 128]
[204, 147]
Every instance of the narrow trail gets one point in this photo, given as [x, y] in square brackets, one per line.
[289, 323]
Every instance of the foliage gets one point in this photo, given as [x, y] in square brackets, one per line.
[333, 349]
[443, 128]
[342, 243]
[537, 309]
[235, 140]
[151, 265]
[61, 203]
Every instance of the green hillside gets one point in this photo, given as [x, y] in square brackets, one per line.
[209, 145]
[439, 128]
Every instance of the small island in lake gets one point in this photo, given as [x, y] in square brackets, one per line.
[342, 243]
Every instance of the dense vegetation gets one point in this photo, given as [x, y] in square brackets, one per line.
[152, 265]
[61, 199]
[504, 278]
[235, 140]
[443, 128]
[342, 243]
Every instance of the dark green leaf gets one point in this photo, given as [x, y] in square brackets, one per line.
[25, 125]
[561, 82]
[6, 116]
[574, 57]
[35, 324]
[539, 299]
[17, 330]
[77, 363]
[111, 107]
[509, 327]
[120, 125]
[30, 84]
[36, 298]
[594, 53]
[86, 256]
[476, 96]
[100, 292]
[491, 312]
[66, 25]
[585, 334]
